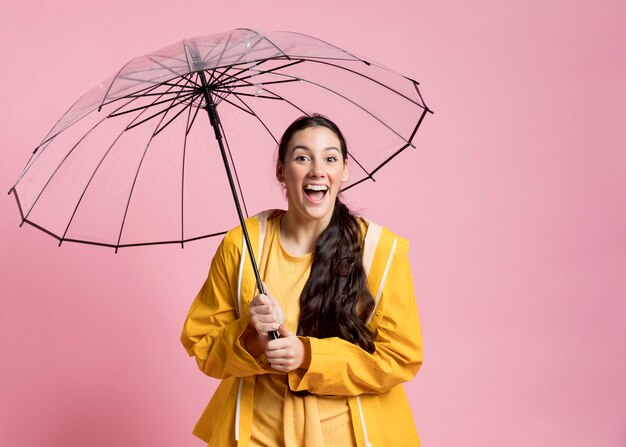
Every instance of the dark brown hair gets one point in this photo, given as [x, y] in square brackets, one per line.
[335, 301]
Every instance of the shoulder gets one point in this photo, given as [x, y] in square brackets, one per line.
[381, 236]
[233, 239]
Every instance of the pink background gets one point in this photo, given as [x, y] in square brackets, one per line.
[514, 201]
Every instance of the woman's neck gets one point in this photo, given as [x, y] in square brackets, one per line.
[297, 235]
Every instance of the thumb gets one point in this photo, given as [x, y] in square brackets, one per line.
[266, 290]
[284, 332]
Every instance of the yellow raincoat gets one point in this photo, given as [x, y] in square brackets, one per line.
[378, 404]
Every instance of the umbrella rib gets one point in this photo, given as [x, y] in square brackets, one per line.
[357, 183]
[193, 120]
[205, 59]
[262, 83]
[140, 93]
[415, 84]
[111, 84]
[271, 92]
[161, 112]
[258, 118]
[280, 97]
[350, 101]
[229, 81]
[116, 247]
[249, 49]
[224, 80]
[329, 44]
[391, 157]
[369, 174]
[403, 147]
[235, 105]
[254, 96]
[182, 188]
[232, 163]
[147, 106]
[162, 66]
[265, 37]
[150, 81]
[176, 115]
[63, 161]
[93, 174]
[49, 138]
[41, 148]
[132, 189]
[372, 79]
[269, 71]
[188, 106]
[221, 55]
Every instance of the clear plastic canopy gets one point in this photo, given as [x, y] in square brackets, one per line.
[135, 161]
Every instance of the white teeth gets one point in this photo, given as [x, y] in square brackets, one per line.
[316, 187]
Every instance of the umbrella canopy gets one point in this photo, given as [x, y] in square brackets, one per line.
[135, 160]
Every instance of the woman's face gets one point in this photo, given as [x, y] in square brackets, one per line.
[312, 173]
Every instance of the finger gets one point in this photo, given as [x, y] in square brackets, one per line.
[279, 343]
[258, 320]
[284, 332]
[268, 293]
[260, 300]
[264, 309]
[265, 288]
[263, 327]
[283, 365]
[276, 356]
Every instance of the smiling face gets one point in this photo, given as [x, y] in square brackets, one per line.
[312, 172]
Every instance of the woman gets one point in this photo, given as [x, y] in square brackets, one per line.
[338, 290]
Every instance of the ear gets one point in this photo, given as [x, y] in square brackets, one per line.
[280, 171]
[344, 175]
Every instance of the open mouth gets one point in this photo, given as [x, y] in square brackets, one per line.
[316, 192]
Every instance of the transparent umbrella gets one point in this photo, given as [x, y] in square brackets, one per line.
[138, 161]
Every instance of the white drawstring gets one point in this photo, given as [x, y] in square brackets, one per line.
[384, 278]
[367, 441]
[239, 281]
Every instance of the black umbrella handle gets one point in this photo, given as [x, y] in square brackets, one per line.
[215, 123]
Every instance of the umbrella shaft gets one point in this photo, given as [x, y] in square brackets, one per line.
[215, 122]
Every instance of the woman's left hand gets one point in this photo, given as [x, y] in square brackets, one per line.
[286, 353]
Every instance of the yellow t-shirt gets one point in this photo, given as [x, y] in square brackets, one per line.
[280, 417]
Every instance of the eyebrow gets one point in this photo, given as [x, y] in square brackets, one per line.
[330, 148]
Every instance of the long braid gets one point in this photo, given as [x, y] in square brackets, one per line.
[336, 301]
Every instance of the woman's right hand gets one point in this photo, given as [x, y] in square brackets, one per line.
[265, 313]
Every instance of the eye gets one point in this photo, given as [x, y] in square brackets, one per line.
[331, 159]
[301, 158]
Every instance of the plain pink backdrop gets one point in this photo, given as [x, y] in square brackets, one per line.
[514, 202]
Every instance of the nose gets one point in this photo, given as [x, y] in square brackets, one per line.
[317, 168]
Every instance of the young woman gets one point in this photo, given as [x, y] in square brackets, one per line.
[338, 289]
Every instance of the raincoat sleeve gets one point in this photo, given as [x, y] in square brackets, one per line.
[339, 367]
[213, 331]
